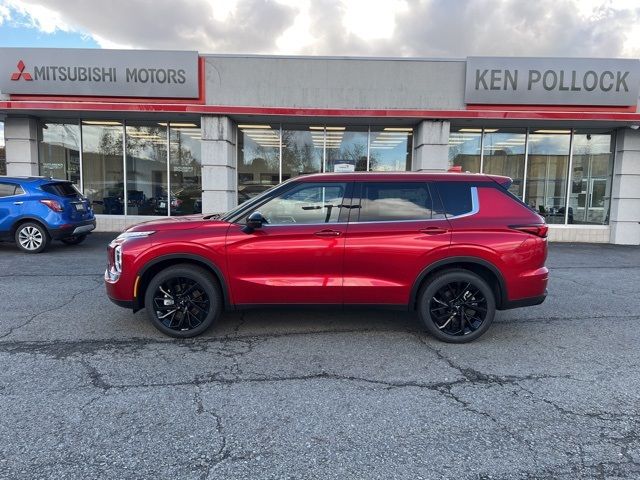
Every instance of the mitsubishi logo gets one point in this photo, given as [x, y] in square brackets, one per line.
[21, 73]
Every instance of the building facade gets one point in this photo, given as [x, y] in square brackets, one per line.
[146, 134]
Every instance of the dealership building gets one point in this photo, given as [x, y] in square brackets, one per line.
[146, 134]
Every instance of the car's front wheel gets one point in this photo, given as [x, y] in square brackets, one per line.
[457, 306]
[183, 301]
[73, 240]
[31, 237]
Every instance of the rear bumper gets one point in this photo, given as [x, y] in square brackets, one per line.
[523, 302]
[80, 228]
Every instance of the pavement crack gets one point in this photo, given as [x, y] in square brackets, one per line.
[49, 310]
[97, 380]
[222, 453]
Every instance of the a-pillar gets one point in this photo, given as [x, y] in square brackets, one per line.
[219, 176]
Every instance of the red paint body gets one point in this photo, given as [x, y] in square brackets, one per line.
[376, 263]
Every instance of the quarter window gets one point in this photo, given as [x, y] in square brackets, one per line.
[395, 201]
[456, 198]
[308, 203]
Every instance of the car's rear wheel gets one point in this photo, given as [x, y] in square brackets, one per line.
[457, 306]
[31, 237]
[73, 240]
[183, 301]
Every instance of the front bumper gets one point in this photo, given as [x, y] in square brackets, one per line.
[80, 228]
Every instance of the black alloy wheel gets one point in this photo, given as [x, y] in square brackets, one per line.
[457, 306]
[183, 301]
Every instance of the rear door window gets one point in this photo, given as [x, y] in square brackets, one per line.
[9, 189]
[457, 198]
[61, 189]
[395, 201]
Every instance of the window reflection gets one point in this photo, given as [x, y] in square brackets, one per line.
[59, 150]
[3, 157]
[258, 159]
[548, 162]
[592, 167]
[504, 151]
[146, 169]
[103, 175]
[464, 149]
[185, 170]
[301, 151]
[346, 149]
[390, 149]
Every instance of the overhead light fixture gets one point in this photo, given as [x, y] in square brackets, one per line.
[552, 131]
[101, 122]
[164, 124]
[263, 127]
[316, 128]
[398, 129]
[335, 128]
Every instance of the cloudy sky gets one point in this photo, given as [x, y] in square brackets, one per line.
[427, 28]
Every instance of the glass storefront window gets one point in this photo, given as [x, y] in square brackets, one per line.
[592, 167]
[185, 170]
[3, 158]
[546, 189]
[258, 159]
[102, 169]
[464, 148]
[503, 154]
[390, 149]
[146, 148]
[301, 150]
[346, 149]
[59, 150]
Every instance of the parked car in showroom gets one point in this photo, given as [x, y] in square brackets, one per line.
[36, 210]
[453, 247]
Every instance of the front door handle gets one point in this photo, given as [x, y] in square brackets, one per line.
[328, 233]
[18, 203]
[433, 230]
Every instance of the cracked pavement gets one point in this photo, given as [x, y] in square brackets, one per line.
[90, 390]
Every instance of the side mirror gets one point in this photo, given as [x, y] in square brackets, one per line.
[254, 222]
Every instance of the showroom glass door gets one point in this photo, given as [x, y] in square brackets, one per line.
[547, 169]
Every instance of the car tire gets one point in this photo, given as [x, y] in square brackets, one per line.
[31, 237]
[183, 301]
[73, 240]
[456, 306]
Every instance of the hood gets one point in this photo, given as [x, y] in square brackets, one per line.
[175, 223]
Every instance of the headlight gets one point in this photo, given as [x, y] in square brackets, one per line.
[127, 235]
[117, 258]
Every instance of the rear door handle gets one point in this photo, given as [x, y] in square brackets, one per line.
[328, 233]
[18, 203]
[433, 230]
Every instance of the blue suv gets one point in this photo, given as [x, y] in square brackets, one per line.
[36, 210]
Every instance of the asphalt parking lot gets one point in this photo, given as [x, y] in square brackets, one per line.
[89, 390]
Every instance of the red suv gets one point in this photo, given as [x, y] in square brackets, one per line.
[454, 247]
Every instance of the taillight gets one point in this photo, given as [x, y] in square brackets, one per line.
[53, 205]
[537, 230]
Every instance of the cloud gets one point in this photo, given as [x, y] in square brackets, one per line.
[430, 28]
